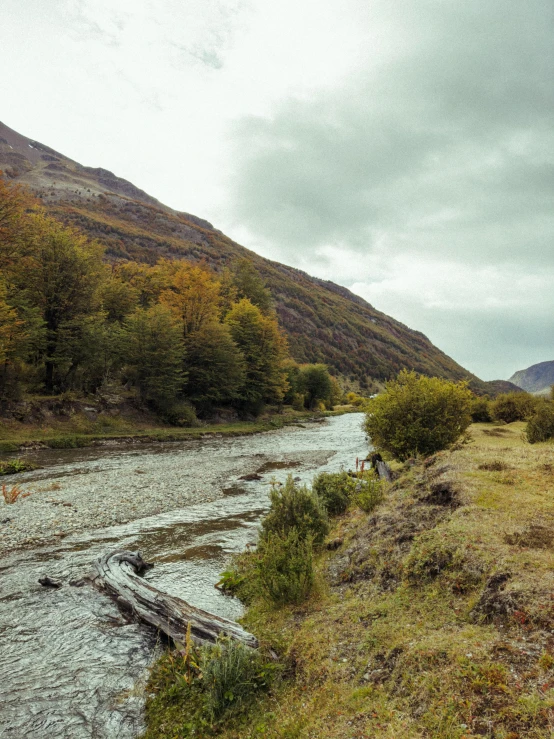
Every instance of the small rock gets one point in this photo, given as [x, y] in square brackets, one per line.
[251, 476]
[48, 582]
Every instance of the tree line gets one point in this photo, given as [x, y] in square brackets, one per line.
[184, 338]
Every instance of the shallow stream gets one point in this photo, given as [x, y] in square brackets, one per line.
[71, 667]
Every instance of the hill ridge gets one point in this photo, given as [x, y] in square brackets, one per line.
[324, 322]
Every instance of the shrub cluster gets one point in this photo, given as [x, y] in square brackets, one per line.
[369, 493]
[294, 507]
[232, 674]
[510, 407]
[418, 415]
[540, 427]
[335, 490]
[481, 410]
[284, 567]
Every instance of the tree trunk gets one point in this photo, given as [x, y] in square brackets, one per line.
[117, 573]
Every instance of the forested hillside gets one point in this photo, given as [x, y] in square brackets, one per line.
[323, 321]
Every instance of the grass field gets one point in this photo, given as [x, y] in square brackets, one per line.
[433, 619]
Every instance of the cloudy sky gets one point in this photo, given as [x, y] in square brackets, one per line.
[402, 148]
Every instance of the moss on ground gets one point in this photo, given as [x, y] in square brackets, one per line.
[433, 619]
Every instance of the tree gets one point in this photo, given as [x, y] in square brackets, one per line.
[315, 382]
[12, 336]
[14, 222]
[192, 295]
[155, 354]
[215, 366]
[60, 276]
[264, 349]
[418, 415]
[248, 284]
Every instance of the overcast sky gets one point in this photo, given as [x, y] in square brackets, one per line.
[403, 148]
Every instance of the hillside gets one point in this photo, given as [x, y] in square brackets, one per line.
[324, 322]
[538, 378]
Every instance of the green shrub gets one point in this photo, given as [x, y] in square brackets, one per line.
[481, 410]
[232, 674]
[510, 407]
[369, 494]
[181, 414]
[284, 569]
[540, 427]
[335, 490]
[418, 415]
[297, 508]
[16, 465]
[67, 442]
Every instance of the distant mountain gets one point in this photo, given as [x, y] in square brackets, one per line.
[503, 386]
[535, 379]
[324, 322]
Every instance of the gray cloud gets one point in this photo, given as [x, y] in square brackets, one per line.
[443, 153]
[451, 144]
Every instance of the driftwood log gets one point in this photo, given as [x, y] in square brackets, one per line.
[118, 574]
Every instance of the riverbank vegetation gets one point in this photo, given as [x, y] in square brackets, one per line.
[430, 617]
[173, 336]
[422, 608]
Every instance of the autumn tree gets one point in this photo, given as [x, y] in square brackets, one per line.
[192, 296]
[61, 276]
[14, 222]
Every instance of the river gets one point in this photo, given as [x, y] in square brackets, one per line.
[71, 667]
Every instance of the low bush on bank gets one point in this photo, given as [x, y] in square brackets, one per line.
[284, 568]
[418, 415]
[294, 507]
[369, 494]
[335, 490]
[232, 675]
[540, 426]
[195, 692]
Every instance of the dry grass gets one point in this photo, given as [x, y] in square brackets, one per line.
[437, 616]
[11, 494]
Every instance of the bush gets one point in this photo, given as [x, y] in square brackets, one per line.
[540, 427]
[510, 407]
[297, 508]
[481, 410]
[181, 414]
[232, 675]
[335, 490]
[370, 494]
[418, 415]
[284, 569]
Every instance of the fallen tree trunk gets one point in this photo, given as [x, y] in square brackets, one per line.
[117, 573]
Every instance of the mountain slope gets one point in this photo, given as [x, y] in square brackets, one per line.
[538, 378]
[324, 322]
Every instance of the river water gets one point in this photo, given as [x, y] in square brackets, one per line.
[71, 666]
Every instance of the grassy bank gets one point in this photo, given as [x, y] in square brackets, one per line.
[79, 431]
[434, 617]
